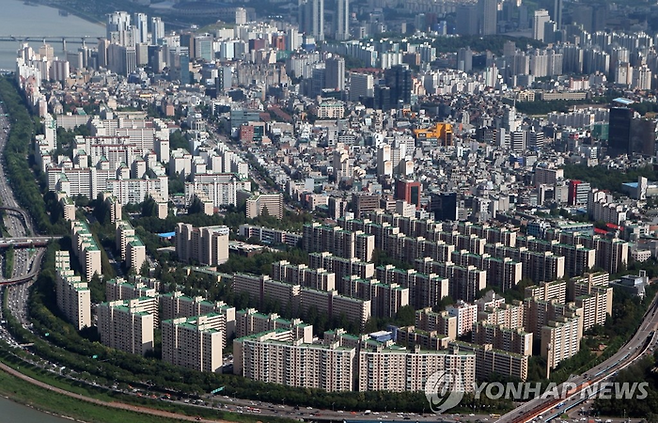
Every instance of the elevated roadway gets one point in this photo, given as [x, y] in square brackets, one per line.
[549, 408]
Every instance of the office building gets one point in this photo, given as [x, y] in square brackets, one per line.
[578, 192]
[334, 76]
[444, 206]
[642, 137]
[342, 20]
[311, 18]
[362, 86]
[398, 79]
[467, 19]
[539, 21]
[157, 30]
[619, 131]
[409, 191]
[557, 13]
[127, 325]
[488, 17]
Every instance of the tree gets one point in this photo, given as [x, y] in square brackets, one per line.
[149, 207]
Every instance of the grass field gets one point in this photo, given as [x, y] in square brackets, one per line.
[26, 393]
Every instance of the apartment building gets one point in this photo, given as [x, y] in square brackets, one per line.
[128, 325]
[410, 337]
[506, 315]
[341, 266]
[466, 315]
[220, 188]
[302, 275]
[115, 207]
[257, 205]
[206, 245]
[73, 295]
[546, 291]
[386, 299]
[489, 360]
[270, 236]
[134, 287]
[560, 339]
[464, 283]
[133, 251]
[539, 313]
[342, 243]
[276, 357]
[397, 369]
[501, 338]
[250, 321]
[424, 290]
[194, 342]
[440, 322]
[502, 272]
[596, 305]
[176, 304]
[299, 299]
[85, 248]
[68, 206]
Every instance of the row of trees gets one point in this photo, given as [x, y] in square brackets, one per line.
[16, 154]
[633, 405]
[602, 178]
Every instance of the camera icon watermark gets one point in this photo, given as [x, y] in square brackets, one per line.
[444, 390]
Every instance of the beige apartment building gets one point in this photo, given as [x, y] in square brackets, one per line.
[133, 251]
[175, 304]
[276, 357]
[128, 325]
[86, 249]
[560, 339]
[73, 295]
[194, 342]
[207, 245]
[489, 360]
[258, 203]
[501, 338]
[397, 369]
[134, 287]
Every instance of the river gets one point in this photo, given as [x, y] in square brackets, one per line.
[13, 412]
[19, 18]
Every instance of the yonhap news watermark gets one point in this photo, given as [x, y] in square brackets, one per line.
[445, 389]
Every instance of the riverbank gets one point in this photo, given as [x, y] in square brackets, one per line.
[69, 10]
[46, 398]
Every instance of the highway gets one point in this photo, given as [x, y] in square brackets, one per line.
[547, 409]
[19, 225]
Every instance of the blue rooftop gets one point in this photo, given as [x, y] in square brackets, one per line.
[167, 234]
[622, 100]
